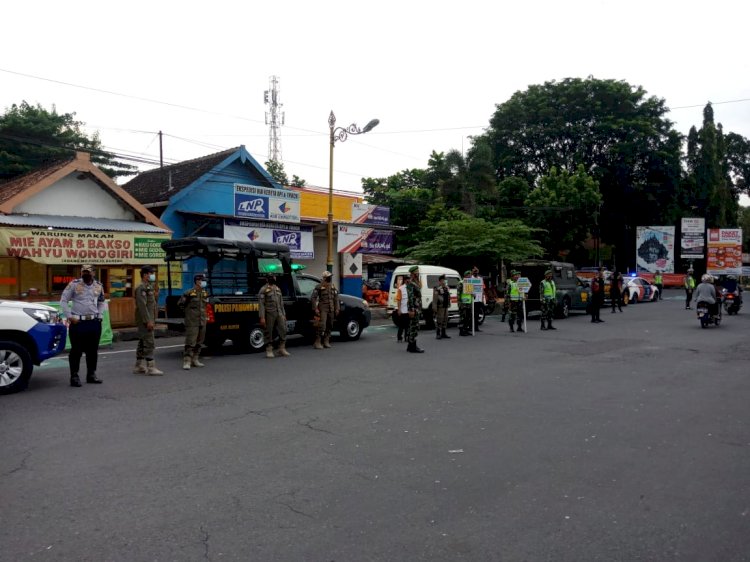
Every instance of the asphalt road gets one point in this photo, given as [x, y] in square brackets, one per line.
[627, 440]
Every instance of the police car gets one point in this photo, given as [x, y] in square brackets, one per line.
[29, 334]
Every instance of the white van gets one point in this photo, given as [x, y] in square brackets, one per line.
[429, 276]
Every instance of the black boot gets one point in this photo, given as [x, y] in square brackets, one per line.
[519, 327]
[543, 326]
[438, 336]
[550, 326]
[93, 379]
[444, 335]
[511, 326]
[412, 348]
[75, 381]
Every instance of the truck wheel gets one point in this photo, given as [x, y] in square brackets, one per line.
[564, 310]
[351, 329]
[15, 367]
[256, 339]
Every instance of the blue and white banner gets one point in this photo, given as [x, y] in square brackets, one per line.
[298, 238]
[265, 203]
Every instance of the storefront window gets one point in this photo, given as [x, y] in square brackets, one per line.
[61, 275]
[9, 278]
[33, 279]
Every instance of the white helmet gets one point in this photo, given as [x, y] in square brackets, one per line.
[706, 278]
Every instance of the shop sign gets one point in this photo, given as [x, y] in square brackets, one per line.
[370, 214]
[266, 203]
[81, 246]
[358, 240]
[298, 238]
[724, 251]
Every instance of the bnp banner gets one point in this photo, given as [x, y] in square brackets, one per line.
[266, 203]
[298, 238]
[724, 251]
[370, 214]
[357, 240]
[654, 247]
[81, 246]
[693, 239]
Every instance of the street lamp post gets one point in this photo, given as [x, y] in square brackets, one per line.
[338, 134]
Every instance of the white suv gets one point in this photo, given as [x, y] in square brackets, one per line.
[29, 334]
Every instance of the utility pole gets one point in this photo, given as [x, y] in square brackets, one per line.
[274, 118]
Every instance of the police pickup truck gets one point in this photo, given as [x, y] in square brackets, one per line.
[29, 334]
[235, 271]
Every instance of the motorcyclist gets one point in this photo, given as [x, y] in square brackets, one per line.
[706, 292]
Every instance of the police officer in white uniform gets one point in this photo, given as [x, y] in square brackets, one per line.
[84, 320]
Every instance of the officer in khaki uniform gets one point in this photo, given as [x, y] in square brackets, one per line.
[193, 303]
[325, 305]
[145, 319]
[272, 316]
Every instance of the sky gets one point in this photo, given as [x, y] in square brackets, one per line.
[431, 72]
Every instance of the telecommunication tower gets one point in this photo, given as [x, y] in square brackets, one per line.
[274, 118]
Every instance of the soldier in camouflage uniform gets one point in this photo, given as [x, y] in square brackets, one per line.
[325, 305]
[193, 302]
[272, 316]
[414, 304]
[548, 297]
[145, 319]
[441, 302]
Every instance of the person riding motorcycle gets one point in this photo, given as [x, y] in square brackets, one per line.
[706, 292]
[731, 286]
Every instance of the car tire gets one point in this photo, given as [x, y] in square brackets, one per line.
[256, 339]
[15, 367]
[351, 329]
[429, 321]
[633, 299]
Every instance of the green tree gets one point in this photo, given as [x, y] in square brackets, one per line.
[616, 131]
[743, 220]
[275, 169]
[512, 193]
[738, 159]
[566, 206]
[470, 237]
[32, 137]
[709, 174]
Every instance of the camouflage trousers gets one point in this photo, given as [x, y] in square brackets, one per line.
[548, 309]
[413, 329]
[194, 336]
[515, 312]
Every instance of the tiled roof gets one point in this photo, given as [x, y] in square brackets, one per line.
[153, 186]
[17, 185]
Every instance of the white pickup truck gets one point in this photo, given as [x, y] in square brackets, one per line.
[29, 334]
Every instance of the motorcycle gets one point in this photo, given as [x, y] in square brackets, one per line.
[732, 301]
[705, 317]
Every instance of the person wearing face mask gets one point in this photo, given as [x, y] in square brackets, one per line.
[145, 319]
[193, 302]
[84, 321]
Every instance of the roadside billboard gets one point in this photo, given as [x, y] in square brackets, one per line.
[654, 247]
[693, 238]
[266, 203]
[724, 251]
[298, 238]
[355, 240]
[370, 214]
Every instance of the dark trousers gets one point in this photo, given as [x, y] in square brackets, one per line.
[402, 321]
[616, 298]
[596, 304]
[688, 297]
[84, 338]
[661, 290]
